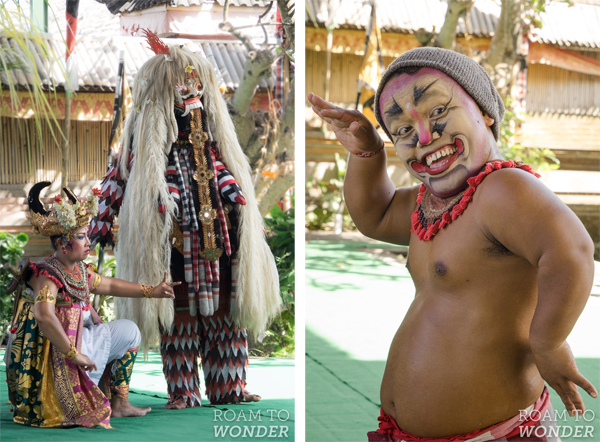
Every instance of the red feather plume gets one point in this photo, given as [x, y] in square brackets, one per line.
[156, 44]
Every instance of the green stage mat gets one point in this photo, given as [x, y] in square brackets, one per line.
[272, 378]
[354, 304]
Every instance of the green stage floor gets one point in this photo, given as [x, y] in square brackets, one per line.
[272, 378]
[355, 304]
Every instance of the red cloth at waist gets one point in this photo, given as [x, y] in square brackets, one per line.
[390, 432]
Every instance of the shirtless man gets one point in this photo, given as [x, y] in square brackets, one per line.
[501, 274]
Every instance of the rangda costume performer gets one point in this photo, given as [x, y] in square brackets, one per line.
[184, 195]
[45, 387]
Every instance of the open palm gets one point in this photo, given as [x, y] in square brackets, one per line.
[353, 130]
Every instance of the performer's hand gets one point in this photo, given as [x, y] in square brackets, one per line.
[352, 128]
[85, 362]
[558, 368]
[164, 289]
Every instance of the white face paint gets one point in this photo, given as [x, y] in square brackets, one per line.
[439, 132]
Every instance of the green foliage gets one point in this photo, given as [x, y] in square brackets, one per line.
[324, 199]
[539, 159]
[279, 338]
[105, 309]
[281, 237]
[11, 250]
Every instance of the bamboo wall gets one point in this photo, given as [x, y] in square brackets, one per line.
[344, 72]
[556, 90]
[22, 151]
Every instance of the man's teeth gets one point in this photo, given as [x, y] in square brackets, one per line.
[439, 154]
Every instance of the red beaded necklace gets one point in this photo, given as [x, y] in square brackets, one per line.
[425, 228]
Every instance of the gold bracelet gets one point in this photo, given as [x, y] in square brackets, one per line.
[71, 353]
[97, 281]
[147, 290]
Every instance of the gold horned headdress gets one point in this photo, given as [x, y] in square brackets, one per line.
[65, 216]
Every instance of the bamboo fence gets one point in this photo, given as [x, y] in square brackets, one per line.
[26, 158]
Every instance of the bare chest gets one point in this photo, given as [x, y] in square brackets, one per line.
[462, 256]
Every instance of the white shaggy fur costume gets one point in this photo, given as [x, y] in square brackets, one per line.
[143, 251]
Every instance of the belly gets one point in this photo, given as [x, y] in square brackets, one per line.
[453, 368]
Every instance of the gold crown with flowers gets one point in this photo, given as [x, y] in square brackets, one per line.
[66, 215]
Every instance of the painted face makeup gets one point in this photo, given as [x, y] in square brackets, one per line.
[439, 132]
[80, 245]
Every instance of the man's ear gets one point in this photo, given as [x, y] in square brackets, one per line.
[489, 121]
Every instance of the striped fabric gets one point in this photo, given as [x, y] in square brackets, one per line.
[179, 350]
[109, 204]
[173, 178]
[185, 215]
[537, 423]
[189, 199]
[232, 296]
[224, 359]
[222, 346]
[228, 186]
[216, 277]
[224, 182]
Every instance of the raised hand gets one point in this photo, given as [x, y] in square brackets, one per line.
[353, 130]
[164, 289]
[83, 361]
[557, 367]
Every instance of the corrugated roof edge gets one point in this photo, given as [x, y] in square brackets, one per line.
[98, 59]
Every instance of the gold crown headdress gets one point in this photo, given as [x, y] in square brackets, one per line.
[66, 216]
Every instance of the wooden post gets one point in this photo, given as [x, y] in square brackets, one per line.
[328, 61]
[65, 147]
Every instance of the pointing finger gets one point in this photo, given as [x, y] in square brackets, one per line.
[582, 382]
[318, 101]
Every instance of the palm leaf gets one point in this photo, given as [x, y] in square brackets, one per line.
[26, 56]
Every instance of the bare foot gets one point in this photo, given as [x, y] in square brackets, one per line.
[249, 397]
[177, 405]
[122, 408]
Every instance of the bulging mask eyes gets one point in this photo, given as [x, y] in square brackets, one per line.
[192, 88]
[199, 87]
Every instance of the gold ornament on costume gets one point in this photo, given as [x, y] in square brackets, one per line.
[176, 237]
[65, 216]
[70, 355]
[147, 290]
[203, 175]
[45, 295]
[97, 282]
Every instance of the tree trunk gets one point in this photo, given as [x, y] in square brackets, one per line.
[456, 9]
[504, 60]
[267, 137]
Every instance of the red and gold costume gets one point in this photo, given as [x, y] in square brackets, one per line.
[47, 389]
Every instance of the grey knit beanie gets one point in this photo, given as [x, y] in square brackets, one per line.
[464, 70]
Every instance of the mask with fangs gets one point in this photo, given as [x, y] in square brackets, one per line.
[189, 96]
